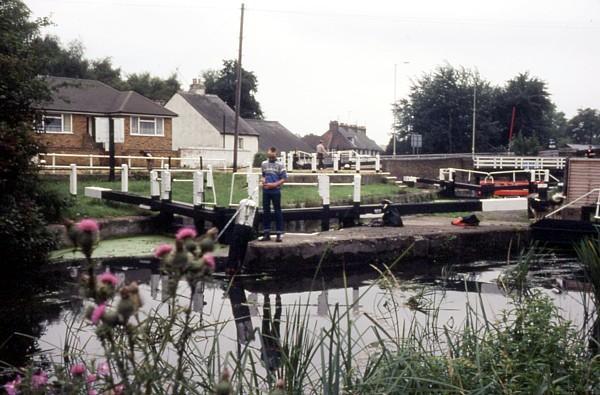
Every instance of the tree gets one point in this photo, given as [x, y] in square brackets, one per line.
[440, 108]
[533, 108]
[23, 234]
[153, 87]
[584, 127]
[70, 61]
[222, 83]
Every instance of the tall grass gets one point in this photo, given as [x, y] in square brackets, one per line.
[528, 348]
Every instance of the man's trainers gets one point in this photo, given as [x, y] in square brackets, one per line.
[265, 238]
[278, 239]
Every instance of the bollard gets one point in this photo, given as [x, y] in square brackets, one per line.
[198, 188]
[154, 185]
[377, 163]
[165, 185]
[124, 178]
[209, 177]
[290, 161]
[73, 180]
[357, 165]
[336, 162]
[313, 162]
[324, 193]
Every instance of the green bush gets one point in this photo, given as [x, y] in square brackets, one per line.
[259, 158]
[23, 234]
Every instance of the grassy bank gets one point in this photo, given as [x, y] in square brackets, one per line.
[293, 196]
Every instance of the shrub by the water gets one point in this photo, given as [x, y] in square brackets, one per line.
[259, 158]
[22, 223]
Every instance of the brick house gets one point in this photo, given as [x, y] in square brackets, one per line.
[343, 137]
[76, 120]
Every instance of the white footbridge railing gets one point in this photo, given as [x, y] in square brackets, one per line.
[519, 162]
[536, 175]
[358, 160]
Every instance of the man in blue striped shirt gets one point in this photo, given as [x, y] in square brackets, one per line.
[273, 177]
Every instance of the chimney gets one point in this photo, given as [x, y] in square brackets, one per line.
[333, 126]
[197, 87]
[362, 129]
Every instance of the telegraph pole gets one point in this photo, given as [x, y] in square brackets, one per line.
[238, 94]
[474, 114]
[394, 112]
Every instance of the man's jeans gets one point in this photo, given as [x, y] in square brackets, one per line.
[272, 195]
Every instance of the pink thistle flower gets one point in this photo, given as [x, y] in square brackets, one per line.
[108, 278]
[162, 250]
[98, 313]
[103, 369]
[11, 386]
[39, 379]
[91, 378]
[78, 369]
[88, 225]
[209, 260]
[119, 389]
[185, 233]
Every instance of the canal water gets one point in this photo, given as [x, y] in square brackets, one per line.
[36, 316]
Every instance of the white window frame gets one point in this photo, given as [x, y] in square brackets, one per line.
[42, 127]
[240, 143]
[137, 120]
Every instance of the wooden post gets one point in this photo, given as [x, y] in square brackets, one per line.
[124, 178]
[53, 163]
[283, 158]
[324, 192]
[91, 164]
[356, 197]
[336, 162]
[111, 149]
[73, 180]
[210, 183]
[198, 198]
[290, 161]
[357, 165]
[165, 185]
[377, 163]
[154, 185]
[313, 162]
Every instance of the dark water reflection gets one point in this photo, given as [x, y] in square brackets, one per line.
[254, 308]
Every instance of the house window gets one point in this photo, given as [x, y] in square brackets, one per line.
[147, 126]
[240, 143]
[57, 123]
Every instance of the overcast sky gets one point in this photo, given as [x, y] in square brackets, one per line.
[318, 61]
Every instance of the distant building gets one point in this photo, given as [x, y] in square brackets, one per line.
[77, 117]
[274, 134]
[206, 126]
[343, 137]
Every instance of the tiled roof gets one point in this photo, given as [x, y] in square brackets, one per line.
[274, 134]
[217, 112]
[91, 96]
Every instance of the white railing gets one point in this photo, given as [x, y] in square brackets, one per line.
[345, 156]
[322, 183]
[537, 175]
[161, 181]
[92, 159]
[597, 213]
[519, 162]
